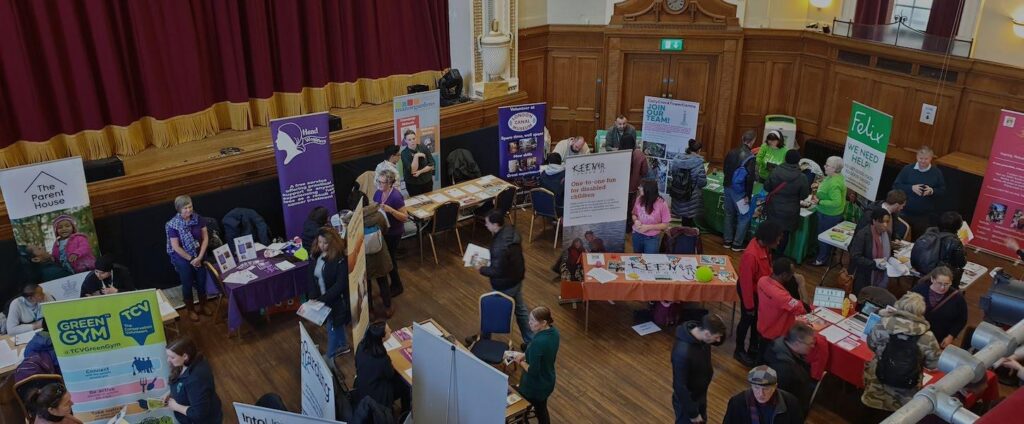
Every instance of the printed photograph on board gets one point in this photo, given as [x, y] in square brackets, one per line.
[57, 244]
[996, 212]
[599, 237]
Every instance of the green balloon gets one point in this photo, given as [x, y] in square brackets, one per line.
[705, 274]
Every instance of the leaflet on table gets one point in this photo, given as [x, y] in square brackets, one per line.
[432, 329]
[646, 328]
[834, 334]
[315, 311]
[422, 214]
[828, 315]
[276, 246]
[972, 272]
[415, 200]
[602, 275]
[455, 193]
[165, 305]
[850, 343]
[476, 255]
[712, 260]
[438, 197]
[391, 344]
[816, 322]
[245, 248]
[284, 265]
[471, 188]
[595, 259]
[852, 325]
[486, 179]
[513, 398]
[24, 338]
[240, 277]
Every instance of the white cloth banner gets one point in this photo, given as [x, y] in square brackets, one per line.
[318, 394]
[250, 414]
[44, 187]
[596, 188]
[670, 123]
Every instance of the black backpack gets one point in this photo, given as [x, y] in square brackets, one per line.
[927, 251]
[900, 364]
[681, 188]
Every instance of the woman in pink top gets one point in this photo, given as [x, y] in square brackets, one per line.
[650, 217]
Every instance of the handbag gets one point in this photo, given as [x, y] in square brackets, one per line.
[844, 281]
[373, 240]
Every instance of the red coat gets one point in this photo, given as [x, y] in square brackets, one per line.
[755, 263]
[776, 309]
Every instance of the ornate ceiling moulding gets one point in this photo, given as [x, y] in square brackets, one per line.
[711, 15]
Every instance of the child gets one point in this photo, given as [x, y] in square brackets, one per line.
[72, 249]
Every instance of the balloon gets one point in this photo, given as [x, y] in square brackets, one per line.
[705, 274]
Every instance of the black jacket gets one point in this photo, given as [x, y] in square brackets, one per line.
[120, 277]
[950, 318]
[784, 207]
[336, 281]
[787, 410]
[732, 161]
[195, 389]
[310, 229]
[375, 376]
[862, 261]
[507, 268]
[555, 183]
[244, 221]
[691, 369]
[899, 230]
[951, 254]
[794, 372]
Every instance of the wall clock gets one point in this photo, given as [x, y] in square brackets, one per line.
[675, 6]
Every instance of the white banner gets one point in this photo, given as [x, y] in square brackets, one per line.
[44, 187]
[250, 414]
[669, 124]
[596, 188]
[417, 119]
[318, 395]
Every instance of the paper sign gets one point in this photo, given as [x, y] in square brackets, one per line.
[834, 334]
[245, 247]
[646, 328]
[602, 275]
[225, 260]
[476, 256]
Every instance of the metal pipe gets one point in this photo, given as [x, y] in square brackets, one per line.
[993, 344]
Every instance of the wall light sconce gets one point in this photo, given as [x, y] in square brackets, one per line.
[821, 4]
[1018, 27]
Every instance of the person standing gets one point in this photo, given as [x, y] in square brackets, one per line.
[831, 201]
[638, 168]
[755, 264]
[895, 201]
[950, 247]
[507, 268]
[107, 278]
[734, 231]
[650, 217]
[392, 203]
[538, 362]
[923, 184]
[417, 165]
[764, 402]
[869, 251]
[328, 283]
[777, 309]
[688, 182]
[187, 240]
[945, 310]
[692, 369]
[786, 187]
[788, 357]
[193, 396]
[771, 154]
[613, 137]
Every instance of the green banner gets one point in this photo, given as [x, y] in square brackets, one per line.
[870, 126]
[866, 143]
[103, 323]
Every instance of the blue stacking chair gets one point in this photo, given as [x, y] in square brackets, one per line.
[544, 206]
[496, 311]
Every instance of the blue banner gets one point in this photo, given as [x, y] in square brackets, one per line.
[303, 153]
[521, 142]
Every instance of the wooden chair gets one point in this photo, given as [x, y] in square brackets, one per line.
[446, 218]
[505, 200]
[22, 387]
[544, 206]
[222, 298]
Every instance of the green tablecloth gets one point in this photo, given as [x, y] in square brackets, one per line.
[802, 243]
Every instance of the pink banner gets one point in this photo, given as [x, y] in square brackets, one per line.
[998, 220]
[131, 389]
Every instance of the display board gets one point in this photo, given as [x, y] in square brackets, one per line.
[304, 173]
[48, 204]
[317, 380]
[999, 214]
[112, 354]
[418, 117]
[669, 124]
[596, 201]
[521, 143]
[867, 141]
[251, 414]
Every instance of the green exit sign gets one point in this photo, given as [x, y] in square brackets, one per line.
[672, 44]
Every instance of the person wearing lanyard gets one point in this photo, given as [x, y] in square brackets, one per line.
[193, 395]
[25, 313]
[104, 280]
[538, 362]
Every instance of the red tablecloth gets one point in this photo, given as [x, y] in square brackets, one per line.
[622, 289]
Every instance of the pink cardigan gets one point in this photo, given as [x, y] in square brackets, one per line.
[659, 215]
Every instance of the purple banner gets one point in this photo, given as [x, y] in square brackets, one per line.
[521, 142]
[303, 155]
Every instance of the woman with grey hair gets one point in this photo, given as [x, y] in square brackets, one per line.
[187, 241]
[831, 203]
[392, 203]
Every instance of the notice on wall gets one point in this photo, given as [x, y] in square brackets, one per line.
[669, 124]
[360, 302]
[867, 140]
[318, 395]
[112, 355]
[418, 121]
[596, 197]
[999, 215]
[48, 204]
[304, 173]
[521, 142]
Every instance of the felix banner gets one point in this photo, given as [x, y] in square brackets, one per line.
[867, 140]
[112, 355]
[998, 222]
[318, 396]
[521, 142]
[303, 153]
[48, 204]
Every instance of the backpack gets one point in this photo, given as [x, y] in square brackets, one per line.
[681, 188]
[900, 364]
[739, 176]
[927, 251]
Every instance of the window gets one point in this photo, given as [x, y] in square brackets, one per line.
[913, 13]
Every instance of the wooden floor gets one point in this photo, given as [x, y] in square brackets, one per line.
[610, 375]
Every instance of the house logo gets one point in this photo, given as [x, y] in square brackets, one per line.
[46, 191]
[293, 139]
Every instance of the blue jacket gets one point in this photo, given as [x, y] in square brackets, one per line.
[42, 344]
[196, 389]
[917, 205]
[555, 183]
[243, 221]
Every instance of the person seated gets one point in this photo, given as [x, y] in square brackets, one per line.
[375, 374]
[869, 251]
[951, 249]
[614, 134]
[571, 146]
[788, 357]
[25, 313]
[894, 202]
[764, 401]
[193, 395]
[107, 278]
[946, 310]
[317, 218]
[552, 178]
[51, 404]
[392, 155]
[40, 264]
[42, 344]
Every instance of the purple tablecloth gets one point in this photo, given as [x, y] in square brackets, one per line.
[272, 286]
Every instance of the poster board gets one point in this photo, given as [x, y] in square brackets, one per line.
[867, 141]
[112, 355]
[418, 116]
[66, 288]
[999, 213]
[317, 380]
[304, 173]
[251, 414]
[596, 200]
[521, 143]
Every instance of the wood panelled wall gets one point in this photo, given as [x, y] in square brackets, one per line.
[809, 75]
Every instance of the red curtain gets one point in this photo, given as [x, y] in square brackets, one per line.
[67, 66]
[873, 12]
[944, 19]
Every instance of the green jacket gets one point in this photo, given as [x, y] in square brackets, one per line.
[539, 381]
[832, 195]
[769, 155]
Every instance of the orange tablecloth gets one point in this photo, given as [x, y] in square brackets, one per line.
[622, 289]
